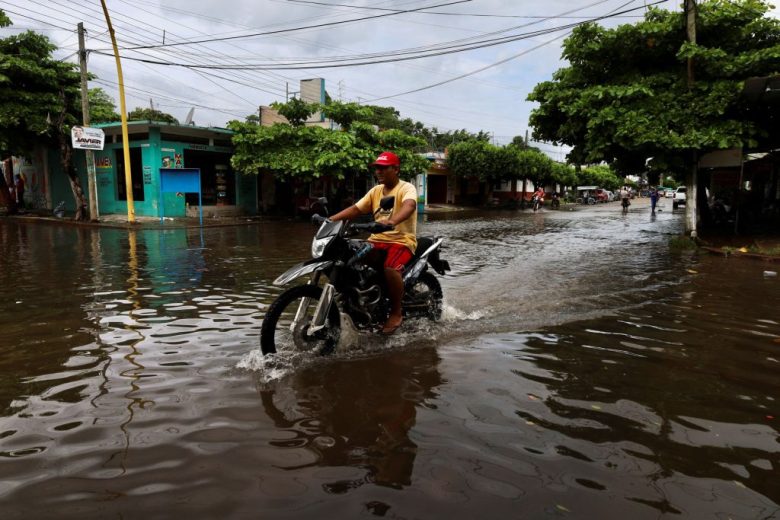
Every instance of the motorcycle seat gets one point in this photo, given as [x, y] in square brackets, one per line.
[423, 243]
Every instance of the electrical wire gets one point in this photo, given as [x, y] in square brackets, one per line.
[471, 73]
[309, 2]
[37, 20]
[293, 29]
[450, 44]
[481, 69]
[251, 85]
[390, 58]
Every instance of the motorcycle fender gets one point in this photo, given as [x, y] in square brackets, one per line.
[302, 269]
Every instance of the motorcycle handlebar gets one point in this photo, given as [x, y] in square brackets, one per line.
[372, 227]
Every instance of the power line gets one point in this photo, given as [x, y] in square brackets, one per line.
[279, 31]
[132, 26]
[403, 55]
[38, 20]
[471, 73]
[464, 41]
[443, 13]
[481, 69]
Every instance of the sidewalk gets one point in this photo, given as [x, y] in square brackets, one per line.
[115, 221]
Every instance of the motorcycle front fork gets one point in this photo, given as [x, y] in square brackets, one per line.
[322, 310]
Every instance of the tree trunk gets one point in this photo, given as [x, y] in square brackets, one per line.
[66, 159]
[5, 195]
[522, 195]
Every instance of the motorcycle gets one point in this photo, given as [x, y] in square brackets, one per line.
[307, 318]
[537, 202]
[555, 202]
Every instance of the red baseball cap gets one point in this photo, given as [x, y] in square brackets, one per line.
[387, 159]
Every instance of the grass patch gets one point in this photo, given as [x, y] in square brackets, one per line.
[682, 243]
[765, 250]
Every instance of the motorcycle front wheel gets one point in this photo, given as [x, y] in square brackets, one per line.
[281, 332]
[424, 298]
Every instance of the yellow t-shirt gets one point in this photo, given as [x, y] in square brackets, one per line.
[405, 232]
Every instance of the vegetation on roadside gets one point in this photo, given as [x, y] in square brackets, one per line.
[295, 149]
[39, 103]
[624, 98]
[682, 243]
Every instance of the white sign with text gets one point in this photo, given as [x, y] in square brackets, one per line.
[86, 138]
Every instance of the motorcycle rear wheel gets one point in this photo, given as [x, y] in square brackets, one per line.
[426, 296]
[276, 334]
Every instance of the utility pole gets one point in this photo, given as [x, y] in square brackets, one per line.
[691, 202]
[123, 114]
[91, 183]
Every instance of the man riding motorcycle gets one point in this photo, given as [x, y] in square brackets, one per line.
[400, 243]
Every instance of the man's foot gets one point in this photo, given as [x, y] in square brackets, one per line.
[391, 325]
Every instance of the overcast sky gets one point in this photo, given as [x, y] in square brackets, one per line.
[492, 100]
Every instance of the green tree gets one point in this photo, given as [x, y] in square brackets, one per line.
[534, 165]
[564, 174]
[39, 102]
[296, 111]
[149, 114]
[308, 152]
[624, 97]
[345, 114]
[602, 176]
[102, 108]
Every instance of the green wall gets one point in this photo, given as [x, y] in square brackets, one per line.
[153, 151]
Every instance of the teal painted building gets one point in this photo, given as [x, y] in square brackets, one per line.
[155, 145]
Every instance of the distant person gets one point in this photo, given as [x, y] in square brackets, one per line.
[624, 202]
[653, 199]
[538, 198]
[19, 185]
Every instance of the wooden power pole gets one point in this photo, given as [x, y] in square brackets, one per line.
[91, 183]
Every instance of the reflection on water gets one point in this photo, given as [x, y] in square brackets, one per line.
[315, 410]
[581, 370]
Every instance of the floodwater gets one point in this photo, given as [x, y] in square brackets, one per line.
[582, 370]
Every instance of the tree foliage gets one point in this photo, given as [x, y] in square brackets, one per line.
[39, 101]
[296, 111]
[102, 108]
[307, 152]
[502, 163]
[600, 175]
[149, 114]
[31, 85]
[344, 114]
[388, 118]
[624, 98]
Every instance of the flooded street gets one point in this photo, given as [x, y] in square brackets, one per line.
[582, 370]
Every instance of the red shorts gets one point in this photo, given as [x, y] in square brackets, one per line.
[398, 255]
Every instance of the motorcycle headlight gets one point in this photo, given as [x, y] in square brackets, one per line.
[318, 246]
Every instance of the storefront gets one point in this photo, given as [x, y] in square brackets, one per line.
[156, 145]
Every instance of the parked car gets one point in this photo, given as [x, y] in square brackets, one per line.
[669, 193]
[611, 196]
[602, 195]
[679, 197]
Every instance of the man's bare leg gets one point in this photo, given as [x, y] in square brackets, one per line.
[395, 290]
